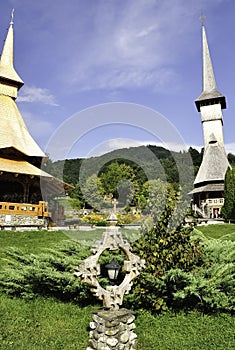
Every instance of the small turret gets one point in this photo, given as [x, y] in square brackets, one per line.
[10, 82]
[14, 135]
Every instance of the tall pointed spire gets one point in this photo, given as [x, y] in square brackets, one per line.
[8, 75]
[14, 135]
[209, 83]
[7, 52]
[210, 94]
[209, 182]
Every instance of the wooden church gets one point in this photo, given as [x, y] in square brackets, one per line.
[24, 187]
[208, 192]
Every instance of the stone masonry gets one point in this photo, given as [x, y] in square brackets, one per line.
[21, 222]
[112, 329]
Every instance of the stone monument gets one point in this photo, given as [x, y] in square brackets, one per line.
[112, 327]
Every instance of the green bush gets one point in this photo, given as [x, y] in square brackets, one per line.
[209, 287]
[126, 219]
[184, 270]
[94, 219]
[164, 246]
[49, 273]
[162, 251]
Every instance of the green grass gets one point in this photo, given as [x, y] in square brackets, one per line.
[48, 324]
[86, 237]
[43, 324]
[219, 231]
[193, 331]
[90, 236]
[29, 241]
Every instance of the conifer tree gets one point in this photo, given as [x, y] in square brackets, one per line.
[164, 246]
[228, 210]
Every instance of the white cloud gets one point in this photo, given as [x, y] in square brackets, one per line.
[230, 147]
[133, 77]
[133, 45]
[119, 143]
[39, 95]
[113, 144]
[114, 44]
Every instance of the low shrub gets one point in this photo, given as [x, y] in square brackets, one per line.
[207, 286]
[130, 218]
[49, 273]
[94, 219]
[177, 275]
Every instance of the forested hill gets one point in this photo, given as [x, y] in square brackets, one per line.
[148, 162]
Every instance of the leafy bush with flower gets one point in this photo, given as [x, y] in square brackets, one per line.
[127, 219]
[95, 219]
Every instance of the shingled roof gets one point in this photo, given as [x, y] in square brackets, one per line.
[214, 164]
[18, 151]
[7, 70]
[209, 89]
[208, 188]
[22, 167]
[13, 131]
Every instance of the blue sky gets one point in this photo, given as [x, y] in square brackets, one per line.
[76, 54]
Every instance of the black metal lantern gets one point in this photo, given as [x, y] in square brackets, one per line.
[113, 269]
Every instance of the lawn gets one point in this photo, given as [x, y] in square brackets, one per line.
[48, 324]
[29, 241]
[219, 231]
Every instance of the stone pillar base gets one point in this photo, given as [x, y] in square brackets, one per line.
[112, 329]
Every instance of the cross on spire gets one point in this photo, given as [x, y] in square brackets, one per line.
[209, 94]
[7, 70]
[202, 19]
[12, 16]
[115, 202]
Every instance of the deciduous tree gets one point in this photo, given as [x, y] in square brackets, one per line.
[120, 181]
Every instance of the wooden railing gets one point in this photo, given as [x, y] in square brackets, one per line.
[213, 201]
[26, 209]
